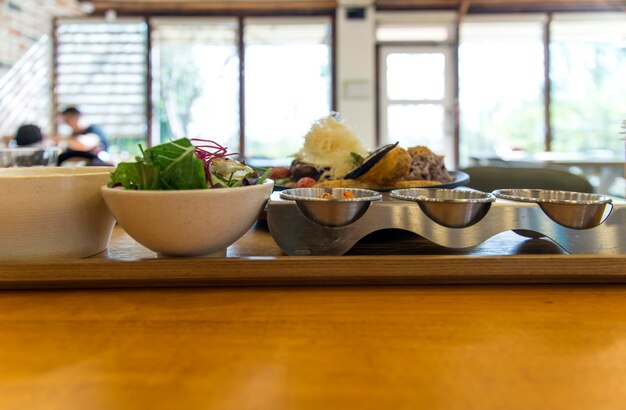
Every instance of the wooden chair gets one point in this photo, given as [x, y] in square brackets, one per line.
[488, 179]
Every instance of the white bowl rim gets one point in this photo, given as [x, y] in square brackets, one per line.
[106, 188]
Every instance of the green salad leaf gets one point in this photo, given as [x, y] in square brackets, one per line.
[180, 168]
[172, 165]
[136, 175]
[226, 172]
[176, 165]
[264, 173]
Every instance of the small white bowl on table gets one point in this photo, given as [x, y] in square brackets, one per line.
[53, 213]
[197, 222]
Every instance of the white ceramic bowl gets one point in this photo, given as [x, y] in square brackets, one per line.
[53, 212]
[188, 222]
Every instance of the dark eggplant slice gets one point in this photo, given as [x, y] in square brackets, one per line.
[370, 161]
[300, 169]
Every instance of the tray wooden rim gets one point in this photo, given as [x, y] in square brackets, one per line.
[314, 270]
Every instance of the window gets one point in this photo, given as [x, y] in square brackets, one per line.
[287, 83]
[101, 69]
[501, 83]
[503, 105]
[25, 90]
[195, 85]
[588, 79]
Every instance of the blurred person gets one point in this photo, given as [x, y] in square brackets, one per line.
[28, 135]
[87, 142]
[34, 148]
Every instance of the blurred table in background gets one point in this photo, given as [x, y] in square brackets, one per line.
[602, 169]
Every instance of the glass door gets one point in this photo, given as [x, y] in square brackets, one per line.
[416, 98]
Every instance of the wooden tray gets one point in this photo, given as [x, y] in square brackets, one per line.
[386, 257]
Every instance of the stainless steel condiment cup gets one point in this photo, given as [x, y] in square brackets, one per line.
[331, 212]
[453, 208]
[574, 210]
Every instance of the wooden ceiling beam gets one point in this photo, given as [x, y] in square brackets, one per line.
[548, 5]
[139, 7]
[463, 9]
[210, 7]
[504, 5]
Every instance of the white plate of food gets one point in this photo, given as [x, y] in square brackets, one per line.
[332, 156]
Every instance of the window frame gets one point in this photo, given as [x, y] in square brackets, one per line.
[541, 20]
[241, 17]
[418, 18]
[54, 72]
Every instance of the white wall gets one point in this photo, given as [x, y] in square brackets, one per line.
[356, 70]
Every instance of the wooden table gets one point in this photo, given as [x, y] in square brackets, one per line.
[491, 347]
[311, 347]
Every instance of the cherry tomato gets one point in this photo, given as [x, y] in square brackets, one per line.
[280, 173]
[306, 182]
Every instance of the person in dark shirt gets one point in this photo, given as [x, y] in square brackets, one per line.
[86, 142]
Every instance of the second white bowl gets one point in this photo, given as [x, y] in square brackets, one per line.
[53, 213]
[188, 222]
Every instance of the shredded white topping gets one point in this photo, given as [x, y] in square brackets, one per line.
[328, 146]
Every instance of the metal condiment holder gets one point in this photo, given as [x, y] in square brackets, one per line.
[297, 235]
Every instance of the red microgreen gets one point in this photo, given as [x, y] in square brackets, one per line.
[207, 151]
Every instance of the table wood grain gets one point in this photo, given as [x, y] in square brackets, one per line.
[434, 347]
